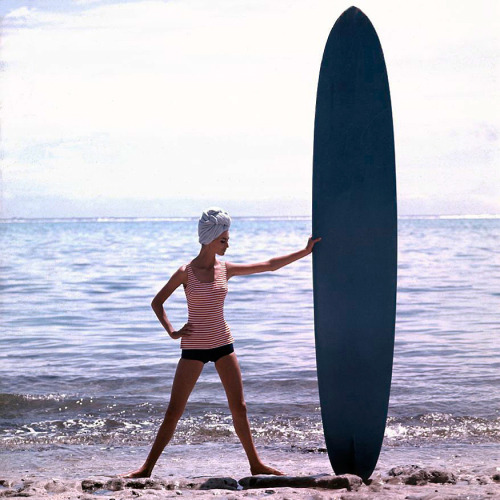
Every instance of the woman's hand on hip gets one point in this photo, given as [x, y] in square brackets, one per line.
[185, 331]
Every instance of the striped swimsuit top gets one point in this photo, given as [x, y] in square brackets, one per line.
[206, 311]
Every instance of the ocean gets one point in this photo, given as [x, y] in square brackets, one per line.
[85, 365]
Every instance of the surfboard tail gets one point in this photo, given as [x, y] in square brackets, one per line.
[353, 458]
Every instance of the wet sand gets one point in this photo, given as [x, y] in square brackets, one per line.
[85, 472]
[407, 482]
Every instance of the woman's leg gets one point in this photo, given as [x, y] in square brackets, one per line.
[186, 375]
[229, 372]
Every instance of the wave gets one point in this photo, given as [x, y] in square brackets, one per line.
[63, 419]
[433, 427]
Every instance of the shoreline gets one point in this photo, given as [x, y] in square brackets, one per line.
[90, 472]
[406, 482]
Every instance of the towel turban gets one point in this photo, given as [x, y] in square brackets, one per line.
[213, 222]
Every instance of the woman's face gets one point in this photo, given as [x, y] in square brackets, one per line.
[221, 244]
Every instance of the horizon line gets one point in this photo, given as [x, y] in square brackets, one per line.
[6, 220]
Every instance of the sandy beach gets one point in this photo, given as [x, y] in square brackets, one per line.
[87, 472]
[407, 482]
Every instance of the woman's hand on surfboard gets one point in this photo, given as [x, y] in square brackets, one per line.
[185, 331]
[311, 242]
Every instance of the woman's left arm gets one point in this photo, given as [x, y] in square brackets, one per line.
[272, 264]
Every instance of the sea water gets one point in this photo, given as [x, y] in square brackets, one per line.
[85, 364]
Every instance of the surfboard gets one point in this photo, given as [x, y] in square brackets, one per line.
[355, 264]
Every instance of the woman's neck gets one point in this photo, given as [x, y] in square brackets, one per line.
[205, 259]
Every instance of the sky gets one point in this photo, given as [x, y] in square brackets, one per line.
[163, 108]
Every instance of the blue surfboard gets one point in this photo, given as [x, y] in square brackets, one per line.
[355, 265]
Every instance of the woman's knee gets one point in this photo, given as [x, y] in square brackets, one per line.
[174, 412]
[238, 408]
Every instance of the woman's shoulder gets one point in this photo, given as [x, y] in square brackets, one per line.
[182, 272]
[229, 269]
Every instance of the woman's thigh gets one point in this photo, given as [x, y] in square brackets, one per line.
[186, 375]
[229, 372]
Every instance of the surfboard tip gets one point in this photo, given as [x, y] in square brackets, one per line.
[353, 12]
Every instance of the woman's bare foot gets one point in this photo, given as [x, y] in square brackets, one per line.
[264, 469]
[142, 472]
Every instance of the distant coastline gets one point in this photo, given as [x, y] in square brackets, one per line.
[241, 217]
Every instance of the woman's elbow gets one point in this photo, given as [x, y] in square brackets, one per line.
[272, 265]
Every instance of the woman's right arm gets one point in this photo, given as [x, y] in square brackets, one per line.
[177, 279]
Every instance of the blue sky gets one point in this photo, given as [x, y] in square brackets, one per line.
[160, 108]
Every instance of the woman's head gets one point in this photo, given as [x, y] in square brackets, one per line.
[213, 223]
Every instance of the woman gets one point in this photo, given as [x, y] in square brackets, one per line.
[206, 335]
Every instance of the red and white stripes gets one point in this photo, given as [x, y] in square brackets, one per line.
[206, 311]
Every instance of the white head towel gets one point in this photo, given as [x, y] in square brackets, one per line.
[213, 222]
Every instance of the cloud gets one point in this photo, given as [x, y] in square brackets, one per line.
[143, 98]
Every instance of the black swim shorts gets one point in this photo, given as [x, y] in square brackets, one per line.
[206, 355]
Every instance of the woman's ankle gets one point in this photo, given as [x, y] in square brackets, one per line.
[147, 467]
